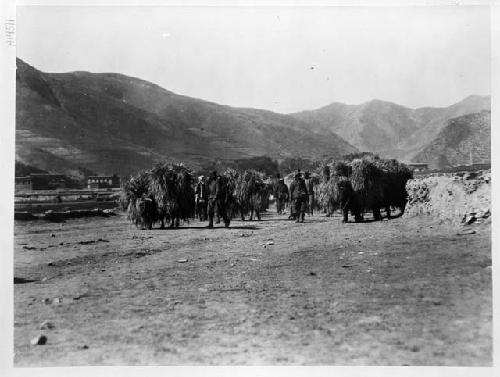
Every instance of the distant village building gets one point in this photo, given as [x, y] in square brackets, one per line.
[481, 166]
[417, 166]
[40, 182]
[23, 184]
[104, 181]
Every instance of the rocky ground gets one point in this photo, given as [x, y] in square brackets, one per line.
[409, 291]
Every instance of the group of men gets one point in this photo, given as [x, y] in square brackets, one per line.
[210, 197]
[300, 195]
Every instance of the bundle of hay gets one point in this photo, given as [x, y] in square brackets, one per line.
[330, 196]
[251, 193]
[163, 189]
[325, 172]
[242, 191]
[365, 175]
[324, 197]
[134, 188]
[394, 176]
[172, 187]
[368, 186]
[136, 198]
[341, 169]
[332, 167]
[375, 183]
[227, 185]
[323, 169]
[231, 177]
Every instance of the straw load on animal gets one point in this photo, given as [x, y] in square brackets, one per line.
[374, 183]
[164, 193]
[395, 175]
[230, 178]
[368, 185]
[225, 202]
[251, 194]
[321, 189]
[335, 190]
[171, 186]
[138, 201]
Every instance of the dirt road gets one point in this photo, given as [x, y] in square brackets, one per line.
[399, 292]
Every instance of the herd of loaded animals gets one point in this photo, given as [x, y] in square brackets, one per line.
[169, 193]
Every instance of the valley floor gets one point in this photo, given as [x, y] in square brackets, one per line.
[399, 292]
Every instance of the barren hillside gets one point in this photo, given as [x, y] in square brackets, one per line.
[387, 128]
[465, 137]
[111, 123]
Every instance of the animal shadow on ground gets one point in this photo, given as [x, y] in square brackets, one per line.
[316, 220]
[23, 280]
[283, 219]
[308, 219]
[248, 227]
[372, 220]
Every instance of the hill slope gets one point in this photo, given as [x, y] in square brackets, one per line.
[387, 128]
[111, 123]
[462, 137]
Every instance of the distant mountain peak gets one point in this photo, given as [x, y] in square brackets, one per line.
[376, 101]
[381, 104]
[476, 97]
[388, 128]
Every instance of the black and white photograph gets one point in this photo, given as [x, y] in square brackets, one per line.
[251, 185]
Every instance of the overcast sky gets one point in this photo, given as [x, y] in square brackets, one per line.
[281, 59]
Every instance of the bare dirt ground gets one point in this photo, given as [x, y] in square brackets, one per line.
[399, 292]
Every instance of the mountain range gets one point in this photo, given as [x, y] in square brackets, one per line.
[112, 123]
[386, 128]
[107, 123]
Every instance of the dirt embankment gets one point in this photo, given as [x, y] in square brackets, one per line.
[459, 198]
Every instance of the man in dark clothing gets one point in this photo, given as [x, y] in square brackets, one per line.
[275, 182]
[299, 196]
[310, 191]
[217, 193]
[201, 199]
[282, 196]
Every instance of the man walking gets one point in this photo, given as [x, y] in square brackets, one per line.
[217, 195]
[299, 196]
[201, 198]
[282, 196]
[310, 191]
